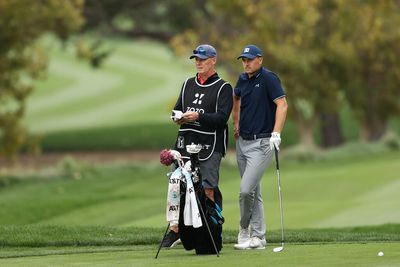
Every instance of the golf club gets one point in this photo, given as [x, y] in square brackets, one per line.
[279, 249]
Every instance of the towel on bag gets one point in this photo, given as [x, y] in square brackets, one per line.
[173, 197]
[191, 212]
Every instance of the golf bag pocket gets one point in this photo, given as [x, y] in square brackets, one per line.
[214, 212]
[199, 238]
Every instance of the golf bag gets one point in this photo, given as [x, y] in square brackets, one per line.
[199, 219]
[200, 238]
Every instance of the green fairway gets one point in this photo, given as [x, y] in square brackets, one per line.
[294, 255]
[137, 83]
[348, 192]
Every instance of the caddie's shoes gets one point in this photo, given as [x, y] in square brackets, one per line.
[170, 240]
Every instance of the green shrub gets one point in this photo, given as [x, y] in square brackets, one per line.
[391, 141]
[143, 136]
[70, 168]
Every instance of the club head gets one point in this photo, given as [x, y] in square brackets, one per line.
[278, 249]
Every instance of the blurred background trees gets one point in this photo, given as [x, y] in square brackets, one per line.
[22, 60]
[373, 91]
[330, 54]
[158, 20]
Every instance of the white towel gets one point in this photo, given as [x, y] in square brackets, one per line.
[173, 197]
[191, 214]
[187, 212]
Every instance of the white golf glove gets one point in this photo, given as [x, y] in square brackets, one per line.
[275, 141]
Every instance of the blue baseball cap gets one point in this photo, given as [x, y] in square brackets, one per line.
[250, 51]
[204, 51]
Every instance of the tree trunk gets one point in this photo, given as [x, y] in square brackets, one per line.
[306, 132]
[331, 130]
[305, 127]
[373, 129]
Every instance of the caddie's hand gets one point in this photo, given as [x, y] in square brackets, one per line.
[190, 116]
[275, 141]
[179, 121]
[236, 130]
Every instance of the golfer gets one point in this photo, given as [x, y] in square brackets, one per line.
[206, 103]
[261, 103]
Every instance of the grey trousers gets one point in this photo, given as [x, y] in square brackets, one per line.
[253, 157]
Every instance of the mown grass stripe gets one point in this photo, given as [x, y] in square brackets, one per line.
[87, 83]
[103, 115]
[56, 235]
[118, 93]
[377, 200]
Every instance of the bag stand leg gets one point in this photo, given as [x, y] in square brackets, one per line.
[166, 230]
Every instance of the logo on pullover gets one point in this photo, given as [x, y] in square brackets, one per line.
[198, 98]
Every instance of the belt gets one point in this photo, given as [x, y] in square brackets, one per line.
[255, 136]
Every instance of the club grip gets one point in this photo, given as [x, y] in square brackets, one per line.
[276, 159]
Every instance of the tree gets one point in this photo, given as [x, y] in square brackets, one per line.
[158, 20]
[287, 32]
[373, 90]
[22, 60]
[328, 53]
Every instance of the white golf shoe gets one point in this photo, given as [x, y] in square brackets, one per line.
[242, 246]
[252, 243]
[257, 243]
[244, 235]
[243, 239]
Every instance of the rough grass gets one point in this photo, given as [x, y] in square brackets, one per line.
[63, 236]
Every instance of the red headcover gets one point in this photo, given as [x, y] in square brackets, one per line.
[166, 157]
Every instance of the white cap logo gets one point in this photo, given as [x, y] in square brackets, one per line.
[246, 50]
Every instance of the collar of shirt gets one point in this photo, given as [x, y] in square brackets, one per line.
[210, 78]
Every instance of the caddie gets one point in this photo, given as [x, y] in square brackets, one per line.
[202, 111]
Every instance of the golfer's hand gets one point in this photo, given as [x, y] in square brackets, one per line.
[190, 116]
[236, 130]
[275, 141]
